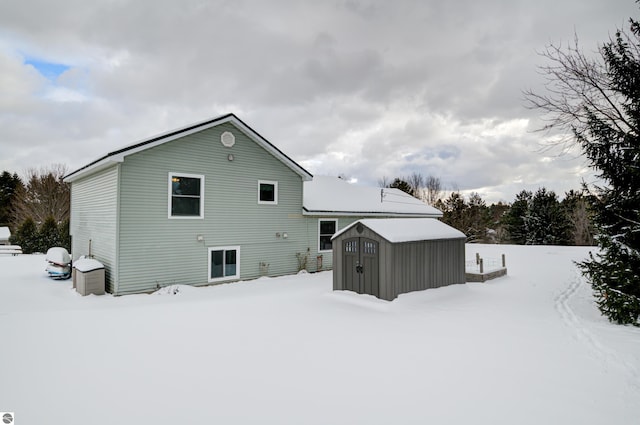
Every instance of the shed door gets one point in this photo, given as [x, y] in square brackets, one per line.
[360, 266]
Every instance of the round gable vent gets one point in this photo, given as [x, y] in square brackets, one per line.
[228, 139]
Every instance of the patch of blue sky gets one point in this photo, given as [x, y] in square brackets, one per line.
[442, 152]
[49, 70]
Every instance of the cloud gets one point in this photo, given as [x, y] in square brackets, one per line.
[362, 88]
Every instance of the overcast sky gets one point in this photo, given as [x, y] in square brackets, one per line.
[361, 88]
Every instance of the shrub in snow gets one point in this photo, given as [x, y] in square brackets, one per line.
[26, 236]
[48, 235]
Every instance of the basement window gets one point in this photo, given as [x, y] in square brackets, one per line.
[224, 263]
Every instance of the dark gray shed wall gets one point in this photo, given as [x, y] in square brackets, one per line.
[425, 264]
[408, 266]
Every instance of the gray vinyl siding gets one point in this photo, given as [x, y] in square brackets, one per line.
[94, 206]
[313, 236]
[157, 251]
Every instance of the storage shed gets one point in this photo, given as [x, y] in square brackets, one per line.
[389, 257]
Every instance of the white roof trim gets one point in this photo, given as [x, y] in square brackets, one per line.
[120, 154]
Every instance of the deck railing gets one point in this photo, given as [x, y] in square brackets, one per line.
[483, 265]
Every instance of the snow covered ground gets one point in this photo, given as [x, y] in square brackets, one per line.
[529, 348]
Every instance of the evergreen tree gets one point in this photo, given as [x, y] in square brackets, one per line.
[64, 239]
[9, 185]
[516, 219]
[402, 185]
[48, 235]
[598, 101]
[26, 236]
[477, 218]
[454, 211]
[546, 221]
[497, 232]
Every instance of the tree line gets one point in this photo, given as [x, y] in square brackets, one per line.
[539, 218]
[36, 209]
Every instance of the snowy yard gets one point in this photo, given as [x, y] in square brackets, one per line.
[529, 348]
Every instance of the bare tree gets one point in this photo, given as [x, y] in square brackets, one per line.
[579, 88]
[43, 195]
[427, 189]
[416, 183]
[433, 190]
[582, 224]
[576, 206]
[384, 182]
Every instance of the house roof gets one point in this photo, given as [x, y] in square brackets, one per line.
[327, 196]
[408, 229]
[4, 233]
[119, 155]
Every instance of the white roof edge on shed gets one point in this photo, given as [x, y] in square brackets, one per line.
[148, 143]
[397, 230]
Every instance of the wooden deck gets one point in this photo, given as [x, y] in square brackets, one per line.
[488, 275]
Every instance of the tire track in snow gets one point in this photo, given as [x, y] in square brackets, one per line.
[585, 335]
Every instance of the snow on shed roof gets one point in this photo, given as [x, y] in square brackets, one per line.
[4, 233]
[408, 229]
[334, 196]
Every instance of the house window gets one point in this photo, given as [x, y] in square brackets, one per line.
[326, 230]
[186, 195]
[224, 263]
[267, 192]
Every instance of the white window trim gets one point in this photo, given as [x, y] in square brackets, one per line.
[224, 278]
[275, 189]
[319, 221]
[170, 194]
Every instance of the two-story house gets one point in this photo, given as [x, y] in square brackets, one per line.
[209, 203]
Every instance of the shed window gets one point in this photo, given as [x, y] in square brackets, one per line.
[224, 263]
[369, 247]
[267, 192]
[186, 195]
[327, 228]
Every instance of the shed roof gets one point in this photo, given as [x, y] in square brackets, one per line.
[333, 196]
[118, 155]
[397, 230]
[4, 233]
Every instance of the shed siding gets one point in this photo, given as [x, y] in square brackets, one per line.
[94, 206]
[156, 251]
[426, 264]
